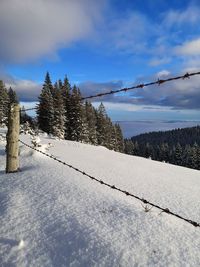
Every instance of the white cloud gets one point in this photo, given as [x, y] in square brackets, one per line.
[189, 15]
[132, 107]
[179, 95]
[26, 90]
[91, 88]
[159, 61]
[130, 33]
[189, 48]
[31, 29]
[163, 73]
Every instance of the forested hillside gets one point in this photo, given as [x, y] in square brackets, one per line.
[179, 146]
[62, 113]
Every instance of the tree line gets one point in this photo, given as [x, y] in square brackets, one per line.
[7, 97]
[180, 146]
[62, 113]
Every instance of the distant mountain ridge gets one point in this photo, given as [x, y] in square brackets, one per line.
[180, 146]
[184, 136]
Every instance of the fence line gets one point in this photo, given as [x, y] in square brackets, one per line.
[139, 86]
[166, 210]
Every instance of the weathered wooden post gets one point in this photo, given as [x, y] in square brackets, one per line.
[12, 147]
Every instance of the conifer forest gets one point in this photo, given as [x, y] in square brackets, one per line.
[62, 113]
[180, 146]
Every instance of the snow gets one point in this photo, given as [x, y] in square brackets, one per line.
[21, 244]
[51, 215]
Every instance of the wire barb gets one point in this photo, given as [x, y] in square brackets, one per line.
[160, 81]
[186, 76]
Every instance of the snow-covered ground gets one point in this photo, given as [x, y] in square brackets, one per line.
[50, 215]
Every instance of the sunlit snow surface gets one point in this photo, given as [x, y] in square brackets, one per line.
[51, 215]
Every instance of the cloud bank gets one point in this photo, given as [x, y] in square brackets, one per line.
[92, 88]
[189, 48]
[181, 94]
[27, 90]
[33, 29]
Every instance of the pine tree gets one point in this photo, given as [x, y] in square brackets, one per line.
[113, 138]
[66, 94]
[128, 147]
[110, 140]
[119, 138]
[178, 157]
[186, 156]
[59, 113]
[85, 131]
[136, 149]
[164, 152]
[101, 125]
[91, 121]
[45, 109]
[13, 99]
[75, 115]
[198, 158]
[194, 156]
[49, 84]
[4, 103]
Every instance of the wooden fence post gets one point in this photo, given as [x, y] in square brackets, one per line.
[12, 147]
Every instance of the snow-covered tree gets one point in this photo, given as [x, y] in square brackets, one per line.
[101, 125]
[119, 138]
[13, 99]
[62, 113]
[75, 115]
[4, 103]
[178, 154]
[85, 130]
[91, 121]
[59, 113]
[65, 88]
[45, 109]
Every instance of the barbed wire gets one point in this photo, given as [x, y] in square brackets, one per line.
[28, 109]
[142, 85]
[138, 86]
[166, 210]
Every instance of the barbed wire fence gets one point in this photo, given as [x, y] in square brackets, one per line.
[138, 86]
[113, 187]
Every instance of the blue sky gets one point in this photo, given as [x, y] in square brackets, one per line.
[104, 45]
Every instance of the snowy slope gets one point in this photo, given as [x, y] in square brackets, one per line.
[63, 218]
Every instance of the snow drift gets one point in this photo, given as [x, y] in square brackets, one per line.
[50, 215]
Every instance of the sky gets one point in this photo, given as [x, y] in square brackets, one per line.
[106, 45]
